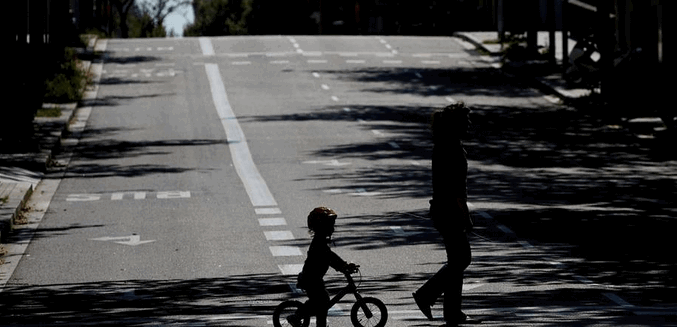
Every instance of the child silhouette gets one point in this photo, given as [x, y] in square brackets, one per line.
[320, 257]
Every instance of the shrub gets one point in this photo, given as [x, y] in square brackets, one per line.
[65, 81]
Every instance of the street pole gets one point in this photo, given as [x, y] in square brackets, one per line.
[552, 22]
[565, 35]
[604, 37]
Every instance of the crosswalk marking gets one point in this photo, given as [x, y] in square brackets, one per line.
[285, 251]
[278, 235]
[268, 211]
[272, 222]
[290, 269]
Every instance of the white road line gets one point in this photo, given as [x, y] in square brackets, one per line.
[285, 251]
[83, 197]
[279, 62]
[363, 192]
[272, 222]
[356, 61]
[317, 61]
[392, 62]
[394, 145]
[397, 230]
[256, 187]
[485, 215]
[117, 196]
[294, 289]
[278, 235]
[268, 211]
[316, 75]
[292, 269]
[171, 195]
[206, 46]
[325, 87]
[466, 45]
[430, 62]
[241, 63]
[334, 98]
[552, 99]
[451, 100]
[617, 299]
[505, 229]
[526, 244]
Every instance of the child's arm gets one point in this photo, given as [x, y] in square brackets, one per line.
[339, 264]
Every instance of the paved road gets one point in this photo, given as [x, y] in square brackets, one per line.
[185, 199]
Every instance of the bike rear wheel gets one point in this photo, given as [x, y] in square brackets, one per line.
[369, 312]
[287, 309]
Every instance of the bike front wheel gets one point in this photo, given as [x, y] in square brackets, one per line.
[369, 312]
[286, 311]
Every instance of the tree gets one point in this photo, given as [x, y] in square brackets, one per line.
[123, 7]
[220, 17]
[157, 11]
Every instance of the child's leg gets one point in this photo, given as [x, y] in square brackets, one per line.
[318, 303]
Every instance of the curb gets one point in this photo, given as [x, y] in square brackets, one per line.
[15, 192]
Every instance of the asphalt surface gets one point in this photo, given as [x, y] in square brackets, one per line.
[184, 201]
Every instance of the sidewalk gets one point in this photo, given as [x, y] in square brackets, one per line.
[552, 83]
[20, 173]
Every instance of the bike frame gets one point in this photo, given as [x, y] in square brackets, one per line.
[350, 288]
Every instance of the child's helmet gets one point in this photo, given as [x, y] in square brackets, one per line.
[321, 218]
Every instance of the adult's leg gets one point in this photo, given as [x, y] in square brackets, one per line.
[459, 256]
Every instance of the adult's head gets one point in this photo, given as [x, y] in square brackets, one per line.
[451, 122]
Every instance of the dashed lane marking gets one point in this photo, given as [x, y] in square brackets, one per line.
[206, 46]
[290, 269]
[272, 222]
[285, 251]
[278, 235]
[268, 211]
[119, 196]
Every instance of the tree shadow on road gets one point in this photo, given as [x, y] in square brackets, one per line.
[553, 174]
[249, 299]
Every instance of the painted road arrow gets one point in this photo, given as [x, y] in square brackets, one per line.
[132, 240]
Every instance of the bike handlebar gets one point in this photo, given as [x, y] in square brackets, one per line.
[351, 269]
